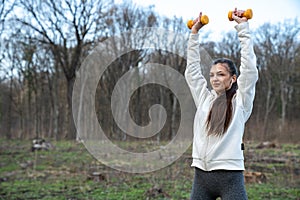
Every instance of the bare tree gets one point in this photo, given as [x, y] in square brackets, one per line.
[6, 6]
[68, 28]
[124, 21]
[277, 49]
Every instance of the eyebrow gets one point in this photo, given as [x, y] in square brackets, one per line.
[216, 72]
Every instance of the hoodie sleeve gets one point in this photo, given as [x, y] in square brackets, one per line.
[193, 74]
[249, 73]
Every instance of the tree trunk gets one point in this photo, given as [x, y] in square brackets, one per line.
[173, 118]
[267, 110]
[71, 133]
[283, 97]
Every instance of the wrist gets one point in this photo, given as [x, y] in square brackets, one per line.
[194, 30]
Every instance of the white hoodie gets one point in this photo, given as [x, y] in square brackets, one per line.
[213, 152]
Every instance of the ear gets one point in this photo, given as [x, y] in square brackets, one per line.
[233, 78]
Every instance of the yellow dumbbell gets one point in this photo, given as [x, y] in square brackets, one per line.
[247, 13]
[204, 20]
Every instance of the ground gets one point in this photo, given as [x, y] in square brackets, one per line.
[68, 171]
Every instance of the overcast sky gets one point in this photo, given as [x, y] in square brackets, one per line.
[263, 10]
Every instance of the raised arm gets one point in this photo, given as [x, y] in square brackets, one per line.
[193, 74]
[249, 73]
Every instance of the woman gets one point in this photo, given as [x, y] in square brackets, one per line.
[221, 116]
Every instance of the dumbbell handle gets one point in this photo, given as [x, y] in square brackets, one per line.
[204, 20]
[247, 13]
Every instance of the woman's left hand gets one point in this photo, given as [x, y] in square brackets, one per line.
[236, 16]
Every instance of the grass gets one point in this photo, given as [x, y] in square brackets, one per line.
[268, 191]
[66, 173]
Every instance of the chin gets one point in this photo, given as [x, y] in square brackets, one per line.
[219, 91]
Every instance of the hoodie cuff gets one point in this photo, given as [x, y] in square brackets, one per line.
[194, 36]
[242, 26]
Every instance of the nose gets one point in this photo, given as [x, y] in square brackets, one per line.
[214, 77]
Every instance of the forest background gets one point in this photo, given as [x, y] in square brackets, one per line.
[43, 45]
[43, 50]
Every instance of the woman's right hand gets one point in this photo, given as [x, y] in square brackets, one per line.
[197, 24]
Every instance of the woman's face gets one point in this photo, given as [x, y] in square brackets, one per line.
[220, 78]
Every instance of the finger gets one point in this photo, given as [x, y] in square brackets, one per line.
[199, 18]
[240, 13]
[234, 16]
[233, 13]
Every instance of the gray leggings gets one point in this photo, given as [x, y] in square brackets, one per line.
[227, 184]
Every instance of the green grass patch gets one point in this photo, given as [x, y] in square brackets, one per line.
[272, 192]
[65, 172]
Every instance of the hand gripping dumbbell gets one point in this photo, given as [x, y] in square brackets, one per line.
[247, 13]
[204, 20]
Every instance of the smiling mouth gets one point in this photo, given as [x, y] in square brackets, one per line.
[216, 85]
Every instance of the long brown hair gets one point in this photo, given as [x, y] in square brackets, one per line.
[220, 114]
